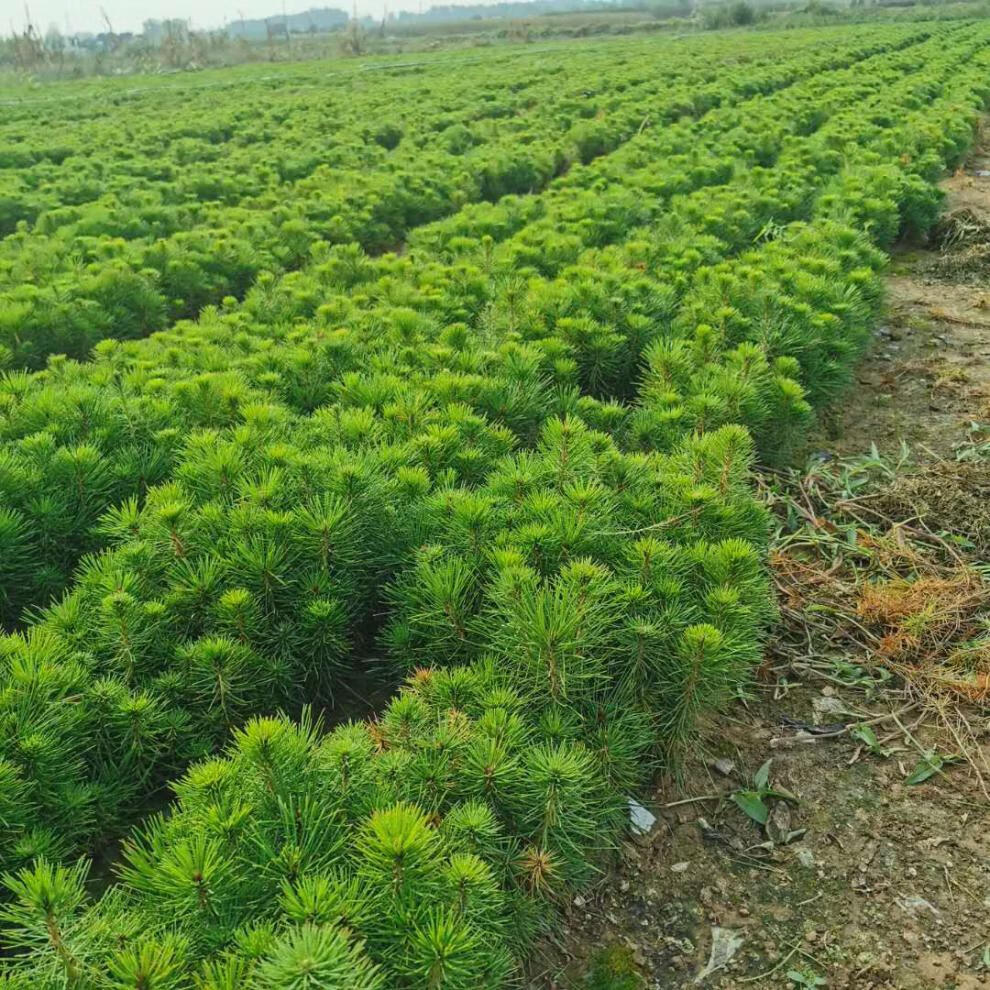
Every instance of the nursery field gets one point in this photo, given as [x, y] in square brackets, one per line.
[375, 447]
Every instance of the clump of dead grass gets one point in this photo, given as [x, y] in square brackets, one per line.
[865, 576]
[932, 629]
[960, 228]
[963, 237]
[950, 497]
[886, 599]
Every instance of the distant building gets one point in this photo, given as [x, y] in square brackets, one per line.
[309, 22]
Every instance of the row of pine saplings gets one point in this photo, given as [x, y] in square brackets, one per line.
[148, 262]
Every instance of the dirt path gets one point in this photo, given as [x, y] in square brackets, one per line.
[866, 880]
[927, 377]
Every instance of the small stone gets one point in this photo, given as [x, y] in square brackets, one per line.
[679, 867]
[827, 706]
[641, 821]
[806, 857]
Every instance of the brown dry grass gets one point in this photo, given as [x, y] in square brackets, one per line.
[891, 594]
[932, 630]
[897, 596]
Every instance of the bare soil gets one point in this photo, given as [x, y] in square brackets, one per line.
[865, 880]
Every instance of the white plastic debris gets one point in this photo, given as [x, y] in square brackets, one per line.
[641, 821]
[725, 944]
[914, 904]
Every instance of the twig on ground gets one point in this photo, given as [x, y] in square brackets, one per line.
[694, 800]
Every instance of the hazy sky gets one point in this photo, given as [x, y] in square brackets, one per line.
[127, 15]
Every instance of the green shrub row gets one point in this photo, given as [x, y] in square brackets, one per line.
[83, 437]
[135, 280]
